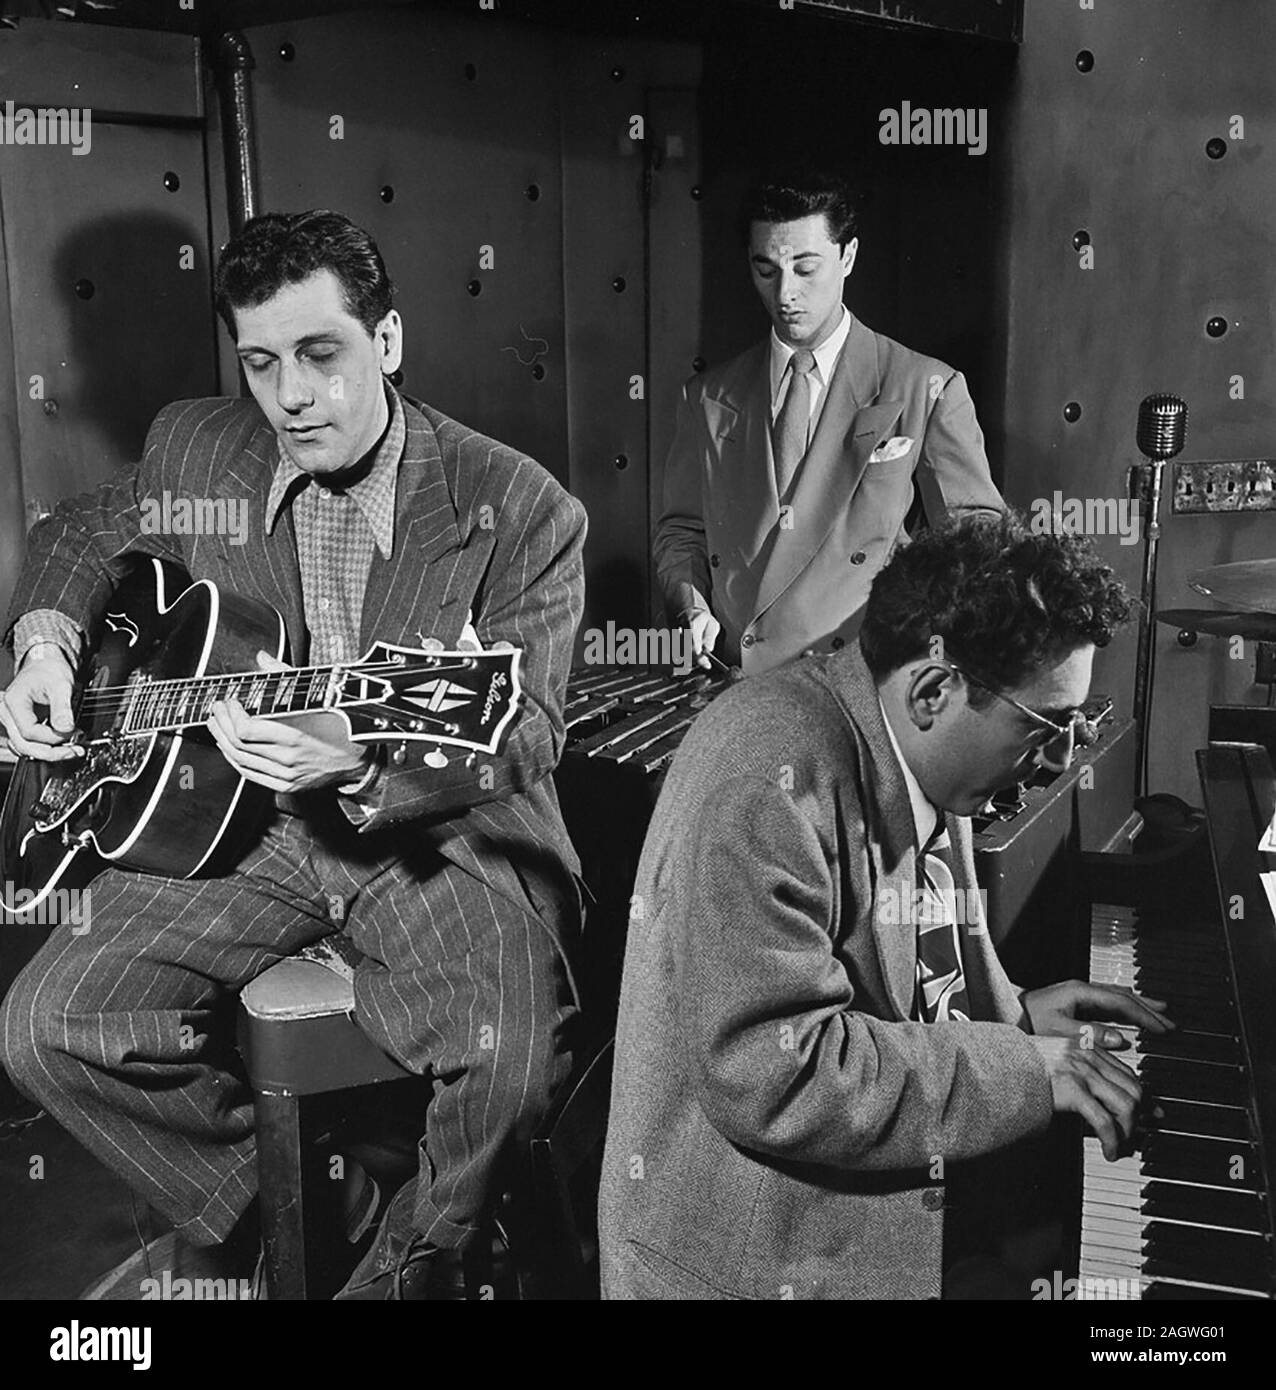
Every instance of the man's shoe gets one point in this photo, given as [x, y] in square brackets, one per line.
[401, 1265]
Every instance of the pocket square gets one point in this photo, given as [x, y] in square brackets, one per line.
[894, 448]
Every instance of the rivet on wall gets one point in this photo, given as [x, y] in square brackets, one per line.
[85, 289]
[475, 288]
[387, 194]
[618, 284]
[1216, 148]
[1072, 412]
[471, 72]
[621, 461]
[697, 192]
[1080, 239]
[172, 182]
[617, 74]
[538, 372]
[532, 192]
[1085, 60]
[287, 52]
[1216, 326]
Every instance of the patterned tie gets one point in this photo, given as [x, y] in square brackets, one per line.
[793, 423]
[941, 981]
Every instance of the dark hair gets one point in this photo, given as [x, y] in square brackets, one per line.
[800, 193]
[1002, 598]
[284, 248]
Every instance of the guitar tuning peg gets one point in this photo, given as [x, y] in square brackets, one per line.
[435, 758]
[400, 754]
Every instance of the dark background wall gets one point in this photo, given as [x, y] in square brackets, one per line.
[615, 259]
[1178, 237]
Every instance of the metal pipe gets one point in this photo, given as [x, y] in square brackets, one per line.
[233, 63]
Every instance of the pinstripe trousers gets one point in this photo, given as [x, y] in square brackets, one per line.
[124, 1032]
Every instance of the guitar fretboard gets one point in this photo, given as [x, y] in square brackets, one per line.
[158, 706]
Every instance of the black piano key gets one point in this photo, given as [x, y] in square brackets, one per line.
[1224, 1162]
[1216, 1250]
[1195, 987]
[1192, 1117]
[1190, 1081]
[1173, 1268]
[1194, 1047]
[1241, 1211]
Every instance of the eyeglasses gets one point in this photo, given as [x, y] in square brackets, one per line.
[1078, 729]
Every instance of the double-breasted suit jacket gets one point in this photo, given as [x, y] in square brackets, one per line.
[777, 1115]
[785, 581]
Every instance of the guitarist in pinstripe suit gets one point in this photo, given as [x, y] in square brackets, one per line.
[369, 516]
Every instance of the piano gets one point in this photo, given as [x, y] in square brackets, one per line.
[1189, 1213]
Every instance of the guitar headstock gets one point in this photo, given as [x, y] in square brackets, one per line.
[468, 699]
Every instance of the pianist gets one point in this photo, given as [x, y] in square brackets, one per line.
[807, 1071]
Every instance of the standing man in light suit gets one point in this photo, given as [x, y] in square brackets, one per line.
[794, 465]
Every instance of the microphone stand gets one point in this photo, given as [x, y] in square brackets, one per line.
[1150, 478]
[1162, 427]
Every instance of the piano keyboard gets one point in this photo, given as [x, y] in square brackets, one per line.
[1185, 1215]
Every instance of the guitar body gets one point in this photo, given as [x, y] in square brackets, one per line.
[164, 803]
[153, 791]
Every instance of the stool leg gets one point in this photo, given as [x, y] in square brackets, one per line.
[279, 1178]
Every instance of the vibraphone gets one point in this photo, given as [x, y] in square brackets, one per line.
[636, 715]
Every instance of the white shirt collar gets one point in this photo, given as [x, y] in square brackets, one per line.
[925, 816]
[826, 354]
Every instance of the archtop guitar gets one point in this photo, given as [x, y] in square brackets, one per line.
[152, 790]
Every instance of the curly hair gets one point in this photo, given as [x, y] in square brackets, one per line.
[1003, 598]
[284, 248]
[800, 193]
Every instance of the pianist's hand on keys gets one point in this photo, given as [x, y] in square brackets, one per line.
[1084, 1078]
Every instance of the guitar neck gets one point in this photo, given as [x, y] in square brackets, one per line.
[169, 706]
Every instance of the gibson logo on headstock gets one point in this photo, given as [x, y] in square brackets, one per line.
[493, 695]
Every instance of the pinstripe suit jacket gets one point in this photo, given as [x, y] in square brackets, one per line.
[478, 528]
[776, 1115]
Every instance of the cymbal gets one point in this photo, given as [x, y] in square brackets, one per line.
[1249, 584]
[1258, 627]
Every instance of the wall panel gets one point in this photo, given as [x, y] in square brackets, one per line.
[105, 305]
[1119, 150]
[493, 133]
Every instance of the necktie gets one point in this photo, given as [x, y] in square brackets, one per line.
[793, 423]
[941, 980]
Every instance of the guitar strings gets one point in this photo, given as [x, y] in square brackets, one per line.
[102, 700]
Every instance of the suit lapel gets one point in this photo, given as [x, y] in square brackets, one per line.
[406, 592]
[891, 831]
[739, 422]
[265, 566]
[851, 425]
